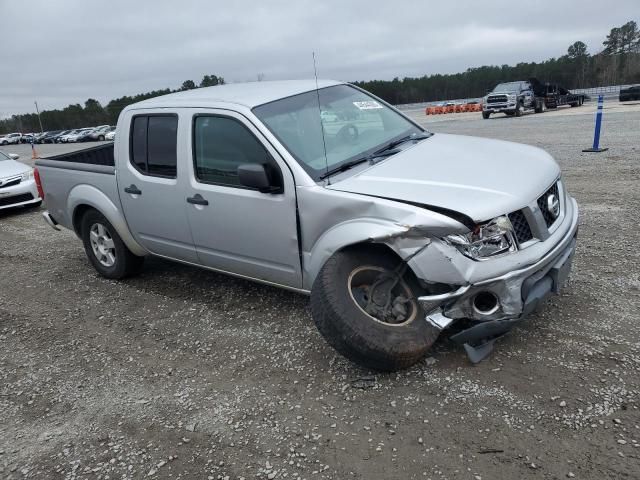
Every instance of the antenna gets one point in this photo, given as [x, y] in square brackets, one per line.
[324, 144]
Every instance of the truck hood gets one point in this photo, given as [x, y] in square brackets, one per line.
[9, 168]
[477, 177]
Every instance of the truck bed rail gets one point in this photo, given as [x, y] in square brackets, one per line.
[100, 155]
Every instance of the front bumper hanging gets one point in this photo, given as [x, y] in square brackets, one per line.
[524, 291]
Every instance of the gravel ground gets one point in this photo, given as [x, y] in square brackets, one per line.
[184, 373]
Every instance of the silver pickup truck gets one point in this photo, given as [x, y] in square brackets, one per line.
[396, 233]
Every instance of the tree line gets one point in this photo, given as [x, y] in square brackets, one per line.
[617, 63]
[92, 113]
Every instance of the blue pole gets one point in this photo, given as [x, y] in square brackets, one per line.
[596, 133]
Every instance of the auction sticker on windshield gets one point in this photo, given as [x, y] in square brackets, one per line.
[367, 105]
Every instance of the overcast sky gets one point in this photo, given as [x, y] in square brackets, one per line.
[65, 51]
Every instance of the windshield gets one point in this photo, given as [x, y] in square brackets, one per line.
[508, 87]
[3, 156]
[354, 125]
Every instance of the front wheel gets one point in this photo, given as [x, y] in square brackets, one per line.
[365, 307]
[101, 138]
[105, 249]
[519, 110]
[486, 115]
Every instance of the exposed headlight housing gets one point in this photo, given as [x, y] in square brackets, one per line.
[27, 176]
[487, 240]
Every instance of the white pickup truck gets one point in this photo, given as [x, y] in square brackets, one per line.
[396, 233]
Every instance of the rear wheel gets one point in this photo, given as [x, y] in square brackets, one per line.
[364, 304]
[105, 249]
[541, 106]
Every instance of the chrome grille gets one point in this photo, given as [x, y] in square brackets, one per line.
[521, 227]
[543, 204]
[497, 99]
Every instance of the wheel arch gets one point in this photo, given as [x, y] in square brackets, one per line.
[86, 197]
[385, 237]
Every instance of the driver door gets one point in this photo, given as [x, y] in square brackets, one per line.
[237, 229]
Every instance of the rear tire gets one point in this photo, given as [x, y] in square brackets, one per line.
[105, 249]
[386, 345]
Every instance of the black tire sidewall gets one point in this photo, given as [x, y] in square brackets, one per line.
[119, 269]
[353, 333]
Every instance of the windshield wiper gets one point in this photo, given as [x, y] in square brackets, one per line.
[386, 151]
[343, 167]
[400, 141]
[367, 158]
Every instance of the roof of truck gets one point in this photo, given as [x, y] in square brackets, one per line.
[249, 94]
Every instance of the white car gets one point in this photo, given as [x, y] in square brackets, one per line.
[10, 138]
[17, 183]
[328, 116]
[110, 136]
[72, 136]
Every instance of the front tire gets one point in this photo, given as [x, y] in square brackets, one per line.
[105, 249]
[519, 110]
[350, 308]
[486, 115]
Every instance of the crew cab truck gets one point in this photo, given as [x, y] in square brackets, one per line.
[516, 98]
[395, 233]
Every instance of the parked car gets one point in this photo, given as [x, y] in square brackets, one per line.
[111, 134]
[17, 184]
[39, 136]
[328, 116]
[10, 138]
[72, 136]
[27, 138]
[99, 133]
[396, 233]
[62, 138]
[629, 94]
[49, 137]
[85, 135]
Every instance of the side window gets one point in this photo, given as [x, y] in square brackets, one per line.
[221, 145]
[153, 144]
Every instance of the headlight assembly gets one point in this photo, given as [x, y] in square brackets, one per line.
[27, 176]
[487, 240]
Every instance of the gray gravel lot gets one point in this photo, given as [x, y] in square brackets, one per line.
[184, 373]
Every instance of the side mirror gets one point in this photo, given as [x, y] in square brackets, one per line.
[255, 175]
[14, 156]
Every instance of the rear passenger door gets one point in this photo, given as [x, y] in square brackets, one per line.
[151, 184]
[237, 229]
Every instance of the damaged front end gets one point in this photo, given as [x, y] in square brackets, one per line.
[496, 295]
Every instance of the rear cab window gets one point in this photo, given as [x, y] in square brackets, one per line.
[153, 144]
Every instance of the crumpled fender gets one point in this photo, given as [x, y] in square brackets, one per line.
[88, 195]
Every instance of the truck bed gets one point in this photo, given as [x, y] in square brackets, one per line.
[100, 155]
[84, 176]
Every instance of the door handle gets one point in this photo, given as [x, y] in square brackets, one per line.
[197, 199]
[133, 190]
